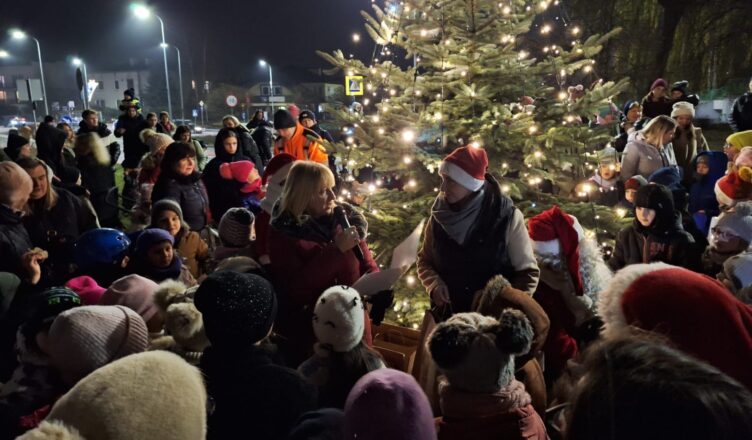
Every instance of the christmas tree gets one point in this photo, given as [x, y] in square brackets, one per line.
[472, 72]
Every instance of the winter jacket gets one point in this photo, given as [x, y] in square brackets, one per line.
[50, 141]
[651, 109]
[323, 134]
[670, 244]
[305, 262]
[702, 192]
[247, 147]
[741, 113]
[134, 148]
[498, 244]
[252, 393]
[201, 158]
[193, 250]
[14, 242]
[687, 148]
[168, 129]
[113, 147]
[506, 414]
[149, 170]
[264, 137]
[225, 194]
[301, 147]
[189, 192]
[642, 158]
[607, 193]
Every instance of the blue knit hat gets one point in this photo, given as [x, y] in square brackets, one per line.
[150, 237]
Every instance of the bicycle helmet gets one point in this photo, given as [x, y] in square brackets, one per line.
[102, 246]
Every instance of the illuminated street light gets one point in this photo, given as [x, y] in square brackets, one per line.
[143, 13]
[4, 54]
[263, 63]
[18, 34]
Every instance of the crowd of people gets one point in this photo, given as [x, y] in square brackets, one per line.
[223, 307]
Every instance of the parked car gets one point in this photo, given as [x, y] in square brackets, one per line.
[12, 121]
[189, 122]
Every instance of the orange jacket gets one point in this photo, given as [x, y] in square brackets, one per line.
[301, 147]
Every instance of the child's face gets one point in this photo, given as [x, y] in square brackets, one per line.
[160, 255]
[702, 168]
[645, 216]
[630, 195]
[169, 221]
[608, 172]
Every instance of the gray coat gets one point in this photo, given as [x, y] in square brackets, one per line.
[641, 158]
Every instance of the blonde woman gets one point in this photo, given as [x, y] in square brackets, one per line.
[246, 144]
[310, 251]
[650, 149]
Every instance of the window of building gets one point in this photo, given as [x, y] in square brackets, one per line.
[117, 85]
[130, 83]
[101, 85]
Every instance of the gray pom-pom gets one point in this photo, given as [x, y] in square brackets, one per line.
[514, 334]
[450, 343]
[743, 208]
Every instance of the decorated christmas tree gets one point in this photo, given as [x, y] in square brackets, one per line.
[512, 77]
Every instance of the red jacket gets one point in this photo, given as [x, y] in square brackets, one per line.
[520, 423]
[302, 269]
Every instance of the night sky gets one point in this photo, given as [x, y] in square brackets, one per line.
[220, 40]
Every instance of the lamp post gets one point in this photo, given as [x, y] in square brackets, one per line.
[143, 13]
[18, 34]
[180, 83]
[78, 62]
[4, 53]
[263, 63]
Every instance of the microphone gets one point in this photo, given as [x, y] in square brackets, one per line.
[341, 217]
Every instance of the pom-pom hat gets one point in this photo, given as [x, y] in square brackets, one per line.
[338, 319]
[466, 166]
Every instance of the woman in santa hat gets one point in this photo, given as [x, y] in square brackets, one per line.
[474, 233]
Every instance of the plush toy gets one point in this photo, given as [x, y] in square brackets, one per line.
[184, 325]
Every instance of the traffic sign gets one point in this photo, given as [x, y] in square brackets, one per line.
[231, 100]
[354, 85]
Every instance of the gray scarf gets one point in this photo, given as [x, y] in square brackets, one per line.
[457, 223]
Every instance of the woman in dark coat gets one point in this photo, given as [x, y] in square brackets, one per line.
[225, 194]
[246, 144]
[179, 181]
[310, 251]
[55, 219]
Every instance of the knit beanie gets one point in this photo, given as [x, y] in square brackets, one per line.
[635, 183]
[235, 227]
[608, 156]
[731, 189]
[466, 166]
[134, 292]
[740, 140]
[152, 395]
[388, 404]
[150, 237]
[476, 353]
[165, 205]
[240, 171]
[277, 169]
[683, 108]
[338, 320]
[85, 338]
[53, 302]
[681, 86]
[15, 143]
[683, 306]
[307, 114]
[158, 141]
[556, 233]
[737, 221]
[238, 309]
[15, 184]
[87, 288]
[667, 176]
[628, 106]
[660, 82]
[283, 119]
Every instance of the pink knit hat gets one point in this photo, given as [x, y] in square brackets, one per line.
[87, 289]
[134, 292]
[85, 338]
[240, 171]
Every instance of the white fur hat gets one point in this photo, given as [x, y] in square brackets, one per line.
[683, 108]
[338, 319]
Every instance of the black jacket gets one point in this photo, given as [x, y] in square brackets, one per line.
[323, 133]
[741, 113]
[50, 141]
[651, 109]
[223, 193]
[190, 194]
[672, 245]
[14, 242]
[264, 138]
[134, 148]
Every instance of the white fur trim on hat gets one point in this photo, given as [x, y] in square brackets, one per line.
[338, 319]
[553, 247]
[722, 197]
[609, 301]
[683, 108]
[460, 176]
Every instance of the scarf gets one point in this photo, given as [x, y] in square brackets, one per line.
[458, 224]
[460, 404]
[156, 274]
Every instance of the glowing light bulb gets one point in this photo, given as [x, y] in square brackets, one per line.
[412, 183]
[407, 159]
[587, 69]
[376, 118]
[562, 95]
[410, 280]
[423, 32]
[505, 165]
[532, 129]
[538, 154]
[381, 131]
[408, 135]
[475, 144]
[545, 29]
[505, 188]
[506, 10]
[575, 30]
[522, 55]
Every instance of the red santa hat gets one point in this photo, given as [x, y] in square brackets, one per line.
[240, 171]
[556, 233]
[466, 166]
[695, 312]
[277, 169]
[731, 189]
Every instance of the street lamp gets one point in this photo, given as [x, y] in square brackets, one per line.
[4, 54]
[263, 63]
[142, 12]
[18, 34]
[180, 81]
[78, 62]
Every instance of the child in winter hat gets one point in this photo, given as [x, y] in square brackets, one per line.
[87, 288]
[85, 338]
[166, 214]
[235, 233]
[730, 235]
[737, 276]
[154, 258]
[153, 395]
[341, 357]
[479, 395]
[245, 172]
[630, 191]
[607, 183]
[136, 293]
[681, 305]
